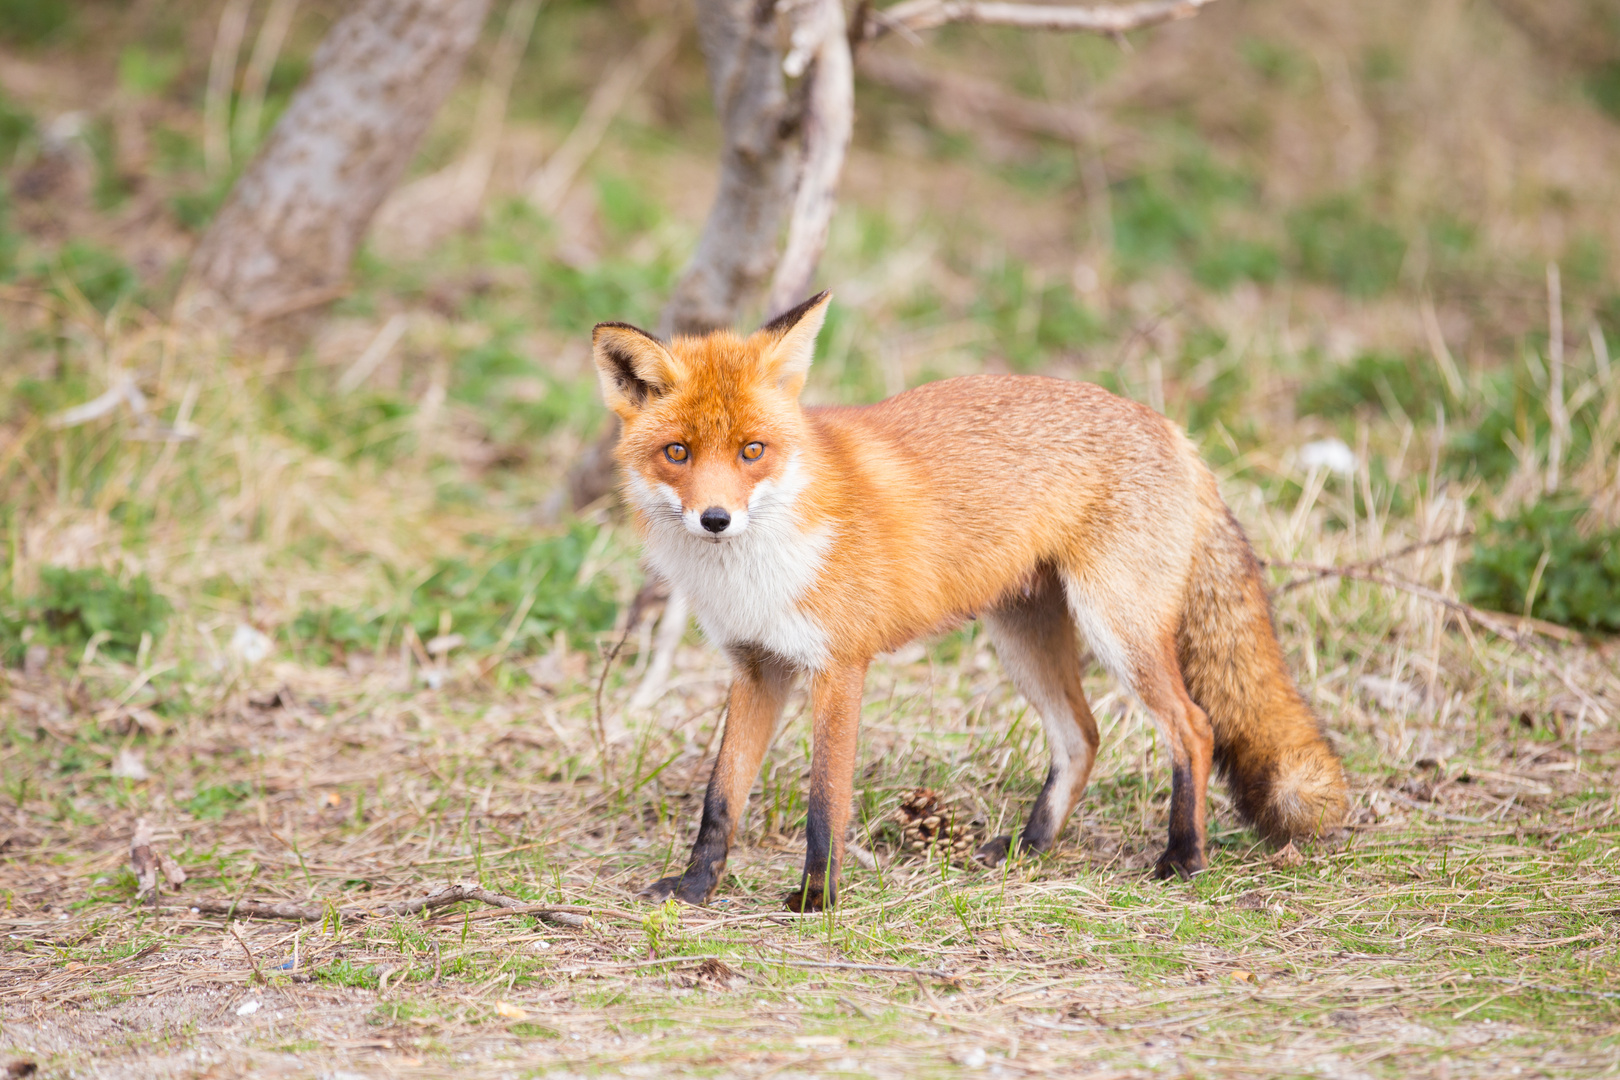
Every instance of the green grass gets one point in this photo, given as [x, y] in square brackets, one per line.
[74, 607]
[1551, 561]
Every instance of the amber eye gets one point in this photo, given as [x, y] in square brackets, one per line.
[676, 452]
[753, 451]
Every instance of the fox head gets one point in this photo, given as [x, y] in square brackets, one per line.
[712, 424]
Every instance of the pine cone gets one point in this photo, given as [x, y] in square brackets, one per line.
[926, 822]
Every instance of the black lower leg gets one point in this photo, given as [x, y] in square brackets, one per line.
[818, 889]
[1184, 856]
[1041, 828]
[708, 860]
[1045, 819]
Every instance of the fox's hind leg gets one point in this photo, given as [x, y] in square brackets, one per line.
[1035, 639]
[1135, 639]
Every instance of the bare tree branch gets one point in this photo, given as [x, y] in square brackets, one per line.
[820, 47]
[911, 16]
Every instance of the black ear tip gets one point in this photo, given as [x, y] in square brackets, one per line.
[790, 318]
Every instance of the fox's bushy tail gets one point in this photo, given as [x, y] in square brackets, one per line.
[1284, 777]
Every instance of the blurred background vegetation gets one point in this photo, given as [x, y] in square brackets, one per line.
[1281, 222]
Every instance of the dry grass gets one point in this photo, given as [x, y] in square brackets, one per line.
[1463, 925]
[1465, 918]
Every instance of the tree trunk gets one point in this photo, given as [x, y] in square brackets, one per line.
[737, 250]
[289, 230]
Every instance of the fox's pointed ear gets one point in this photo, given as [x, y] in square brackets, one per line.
[790, 342]
[634, 367]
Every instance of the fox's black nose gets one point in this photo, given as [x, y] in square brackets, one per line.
[715, 519]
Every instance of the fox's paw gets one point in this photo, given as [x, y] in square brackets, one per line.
[808, 898]
[1182, 864]
[993, 852]
[664, 888]
[660, 890]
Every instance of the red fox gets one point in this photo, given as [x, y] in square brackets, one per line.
[808, 540]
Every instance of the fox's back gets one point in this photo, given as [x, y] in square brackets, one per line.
[962, 486]
[1018, 441]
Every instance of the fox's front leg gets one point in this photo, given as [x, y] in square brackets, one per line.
[836, 697]
[757, 694]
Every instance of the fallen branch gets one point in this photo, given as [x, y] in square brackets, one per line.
[914, 15]
[559, 914]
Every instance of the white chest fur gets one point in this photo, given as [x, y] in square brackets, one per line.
[744, 589]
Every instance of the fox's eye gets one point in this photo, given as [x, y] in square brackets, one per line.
[676, 452]
[753, 451]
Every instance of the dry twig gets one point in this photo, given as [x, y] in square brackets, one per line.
[784, 961]
[258, 976]
[579, 913]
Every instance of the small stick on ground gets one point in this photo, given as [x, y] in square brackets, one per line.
[258, 976]
[784, 961]
[601, 683]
